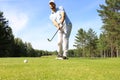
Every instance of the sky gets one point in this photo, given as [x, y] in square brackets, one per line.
[30, 20]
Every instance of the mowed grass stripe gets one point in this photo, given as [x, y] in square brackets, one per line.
[47, 68]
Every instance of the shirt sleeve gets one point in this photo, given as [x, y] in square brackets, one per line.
[52, 17]
[61, 8]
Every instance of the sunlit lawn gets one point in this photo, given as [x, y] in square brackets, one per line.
[47, 68]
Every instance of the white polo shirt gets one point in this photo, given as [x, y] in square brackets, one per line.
[57, 16]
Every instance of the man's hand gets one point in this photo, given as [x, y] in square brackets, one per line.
[60, 26]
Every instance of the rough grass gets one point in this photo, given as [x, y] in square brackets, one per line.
[47, 68]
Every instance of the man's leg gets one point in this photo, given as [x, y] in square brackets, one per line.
[65, 46]
[60, 41]
[66, 41]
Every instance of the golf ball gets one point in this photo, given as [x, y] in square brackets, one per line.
[25, 61]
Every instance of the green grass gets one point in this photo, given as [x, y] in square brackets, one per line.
[47, 68]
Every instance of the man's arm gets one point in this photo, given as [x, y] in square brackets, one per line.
[62, 17]
[56, 24]
[59, 25]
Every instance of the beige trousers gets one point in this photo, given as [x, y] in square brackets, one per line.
[63, 40]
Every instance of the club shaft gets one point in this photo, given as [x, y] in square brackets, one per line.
[54, 35]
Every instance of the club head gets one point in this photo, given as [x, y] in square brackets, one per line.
[49, 40]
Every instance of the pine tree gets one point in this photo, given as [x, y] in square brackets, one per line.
[86, 42]
[110, 14]
[6, 38]
[92, 42]
[80, 41]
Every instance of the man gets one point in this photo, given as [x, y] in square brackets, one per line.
[61, 22]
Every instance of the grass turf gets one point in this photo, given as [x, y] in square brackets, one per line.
[47, 68]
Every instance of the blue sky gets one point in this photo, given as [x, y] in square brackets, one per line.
[30, 21]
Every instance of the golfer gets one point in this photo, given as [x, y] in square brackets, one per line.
[61, 21]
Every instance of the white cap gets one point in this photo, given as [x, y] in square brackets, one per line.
[51, 1]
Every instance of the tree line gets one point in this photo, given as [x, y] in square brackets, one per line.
[107, 44]
[87, 43]
[15, 47]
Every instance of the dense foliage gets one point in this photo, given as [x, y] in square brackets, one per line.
[108, 44]
[6, 38]
[110, 14]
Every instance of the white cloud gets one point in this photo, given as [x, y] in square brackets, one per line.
[17, 21]
[15, 15]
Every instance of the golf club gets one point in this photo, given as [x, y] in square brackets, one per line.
[53, 36]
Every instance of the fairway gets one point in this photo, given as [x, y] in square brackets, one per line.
[47, 68]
